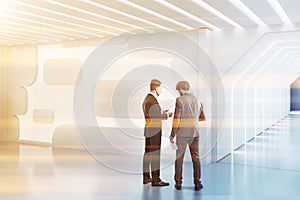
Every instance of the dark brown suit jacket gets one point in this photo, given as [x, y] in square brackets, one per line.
[153, 116]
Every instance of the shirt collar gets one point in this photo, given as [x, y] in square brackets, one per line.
[153, 94]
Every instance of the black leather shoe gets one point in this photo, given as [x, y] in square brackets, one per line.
[149, 180]
[159, 184]
[178, 186]
[198, 186]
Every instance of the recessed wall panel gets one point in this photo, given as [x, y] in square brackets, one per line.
[43, 116]
[62, 71]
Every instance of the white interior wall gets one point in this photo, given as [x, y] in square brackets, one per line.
[52, 94]
[249, 64]
[255, 100]
[54, 99]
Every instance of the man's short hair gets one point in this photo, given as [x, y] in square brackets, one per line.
[183, 85]
[155, 83]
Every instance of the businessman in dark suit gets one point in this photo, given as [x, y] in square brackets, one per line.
[153, 132]
[185, 128]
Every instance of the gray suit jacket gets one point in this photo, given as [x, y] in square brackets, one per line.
[186, 116]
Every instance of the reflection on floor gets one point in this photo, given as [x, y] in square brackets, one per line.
[268, 167]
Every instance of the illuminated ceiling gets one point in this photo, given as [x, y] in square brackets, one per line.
[52, 21]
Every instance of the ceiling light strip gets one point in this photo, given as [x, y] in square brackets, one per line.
[10, 44]
[85, 20]
[183, 12]
[8, 27]
[73, 17]
[242, 7]
[14, 36]
[45, 24]
[10, 39]
[19, 32]
[279, 10]
[60, 21]
[127, 15]
[146, 10]
[5, 41]
[99, 16]
[58, 33]
[217, 13]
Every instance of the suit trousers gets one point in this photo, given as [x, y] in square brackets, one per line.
[193, 143]
[151, 157]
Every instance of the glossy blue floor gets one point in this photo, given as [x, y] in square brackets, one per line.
[267, 167]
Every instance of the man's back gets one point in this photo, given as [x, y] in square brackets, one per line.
[189, 109]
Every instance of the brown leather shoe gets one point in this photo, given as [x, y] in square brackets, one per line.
[178, 186]
[198, 186]
[149, 180]
[159, 184]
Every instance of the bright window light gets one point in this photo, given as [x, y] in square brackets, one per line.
[216, 12]
[146, 10]
[280, 12]
[242, 7]
[183, 12]
[128, 15]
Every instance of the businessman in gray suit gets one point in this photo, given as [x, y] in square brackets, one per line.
[185, 128]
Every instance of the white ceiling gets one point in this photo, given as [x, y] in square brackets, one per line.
[52, 21]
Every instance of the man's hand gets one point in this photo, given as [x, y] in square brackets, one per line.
[169, 114]
[171, 139]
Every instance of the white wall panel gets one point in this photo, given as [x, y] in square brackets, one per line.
[54, 89]
[56, 99]
[250, 85]
[254, 76]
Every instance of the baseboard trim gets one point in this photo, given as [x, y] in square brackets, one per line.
[36, 143]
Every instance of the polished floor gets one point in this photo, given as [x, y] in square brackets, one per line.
[267, 167]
